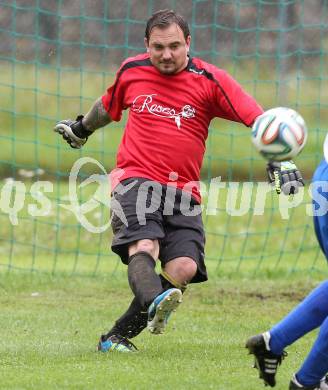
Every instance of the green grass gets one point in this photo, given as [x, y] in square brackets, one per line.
[50, 327]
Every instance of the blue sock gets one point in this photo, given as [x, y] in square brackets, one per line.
[315, 365]
[308, 315]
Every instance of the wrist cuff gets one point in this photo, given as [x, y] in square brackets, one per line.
[79, 130]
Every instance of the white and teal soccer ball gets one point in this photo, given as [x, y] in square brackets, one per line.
[279, 134]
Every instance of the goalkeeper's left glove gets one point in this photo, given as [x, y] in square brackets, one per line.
[285, 176]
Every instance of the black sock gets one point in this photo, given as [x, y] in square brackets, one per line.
[143, 280]
[131, 323]
[165, 283]
[134, 320]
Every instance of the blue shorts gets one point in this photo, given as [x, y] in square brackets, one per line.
[320, 201]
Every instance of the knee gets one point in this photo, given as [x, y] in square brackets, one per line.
[149, 246]
[190, 268]
[182, 269]
[324, 288]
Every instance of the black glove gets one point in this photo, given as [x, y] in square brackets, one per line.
[285, 176]
[73, 132]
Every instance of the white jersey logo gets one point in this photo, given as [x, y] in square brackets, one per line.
[145, 103]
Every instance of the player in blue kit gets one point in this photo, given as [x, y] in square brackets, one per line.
[311, 313]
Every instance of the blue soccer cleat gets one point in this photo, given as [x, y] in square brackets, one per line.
[115, 343]
[161, 308]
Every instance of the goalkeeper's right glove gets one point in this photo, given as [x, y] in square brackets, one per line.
[285, 176]
[73, 132]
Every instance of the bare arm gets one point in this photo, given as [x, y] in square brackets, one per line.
[96, 117]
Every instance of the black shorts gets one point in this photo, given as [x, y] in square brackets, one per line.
[143, 209]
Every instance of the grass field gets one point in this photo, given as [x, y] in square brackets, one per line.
[50, 327]
[53, 310]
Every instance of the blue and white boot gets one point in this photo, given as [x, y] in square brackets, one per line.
[115, 343]
[161, 308]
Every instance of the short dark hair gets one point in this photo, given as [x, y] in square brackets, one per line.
[165, 18]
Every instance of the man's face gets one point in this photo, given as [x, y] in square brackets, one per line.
[168, 49]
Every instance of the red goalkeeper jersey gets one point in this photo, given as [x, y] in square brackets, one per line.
[169, 116]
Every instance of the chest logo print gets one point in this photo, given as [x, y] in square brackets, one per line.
[146, 103]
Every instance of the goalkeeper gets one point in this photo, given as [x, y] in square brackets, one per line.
[310, 314]
[172, 99]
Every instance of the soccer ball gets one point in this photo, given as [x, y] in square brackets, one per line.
[279, 134]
